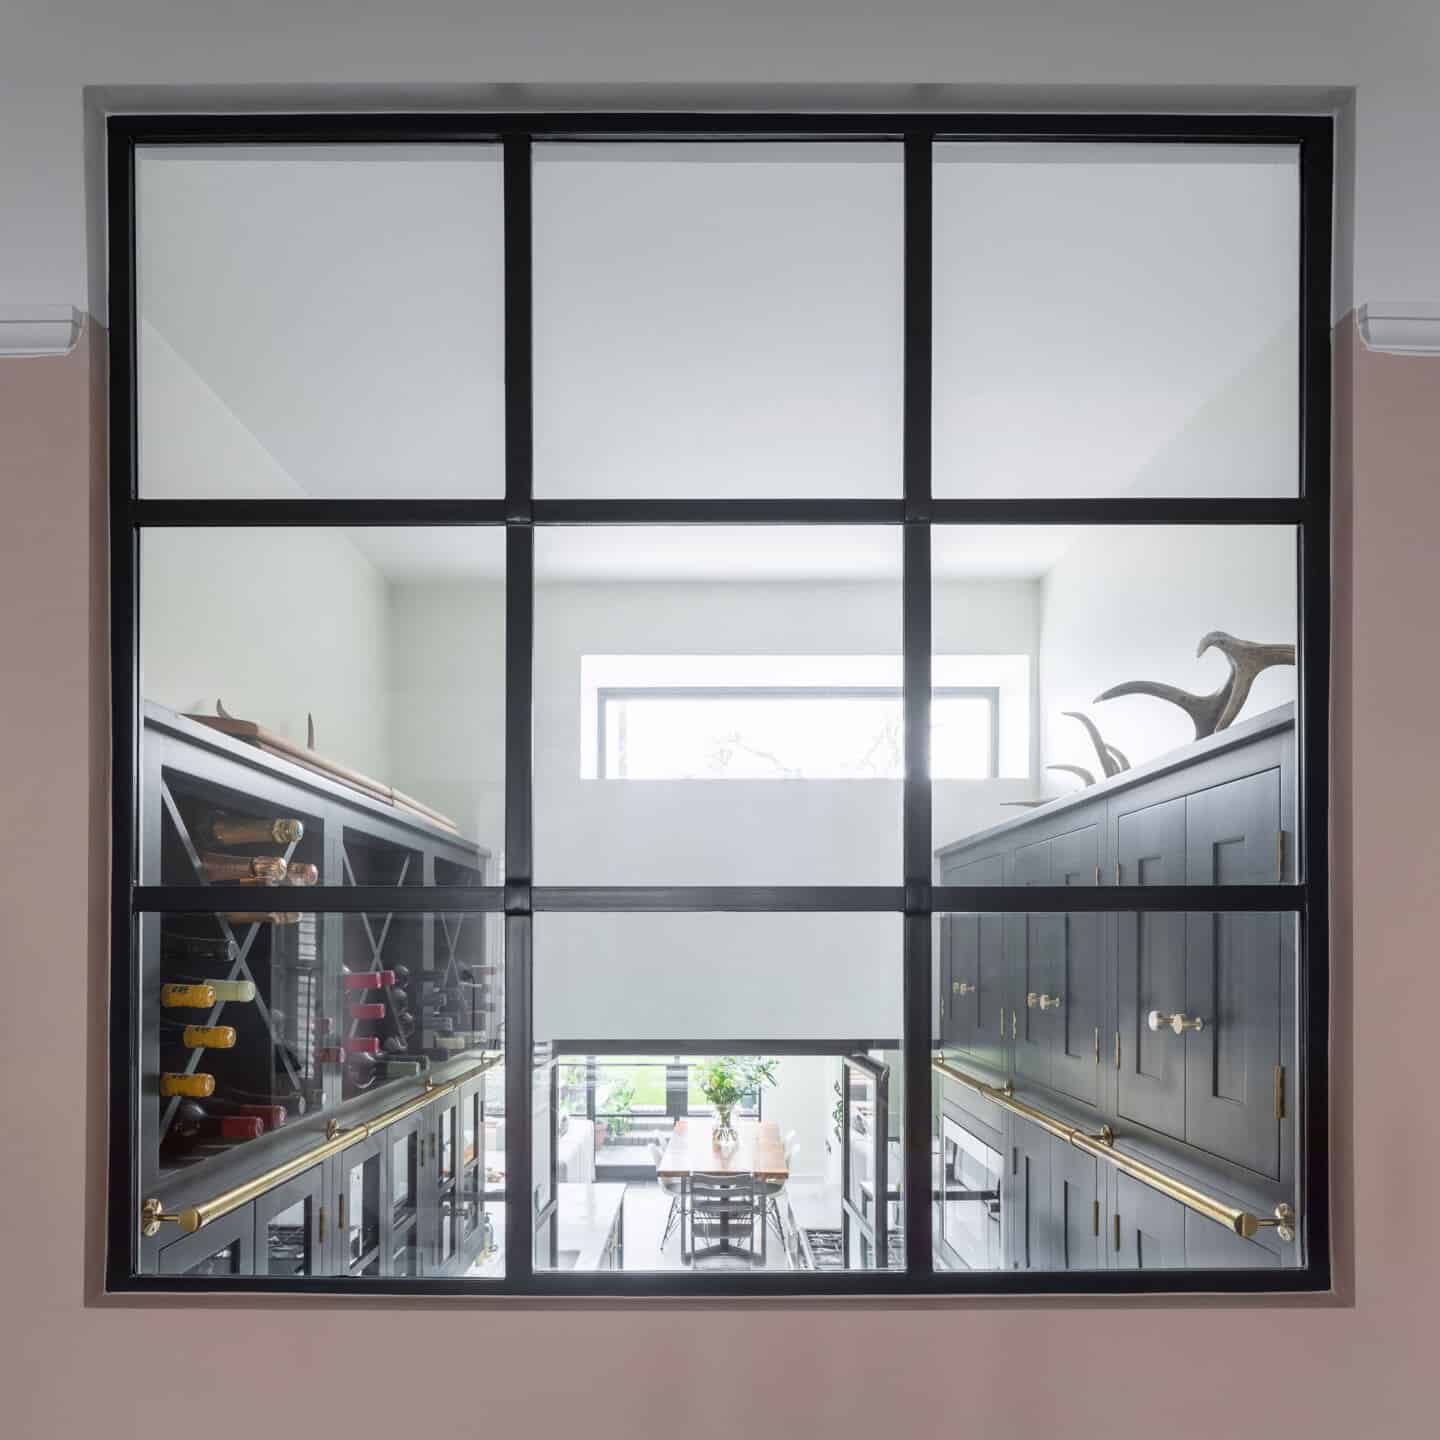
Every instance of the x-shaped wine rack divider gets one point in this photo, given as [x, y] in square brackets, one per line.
[376, 946]
[238, 971]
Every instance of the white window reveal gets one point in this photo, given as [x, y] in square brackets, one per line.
[797, 717]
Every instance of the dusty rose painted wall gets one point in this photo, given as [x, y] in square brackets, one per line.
[72, 1364]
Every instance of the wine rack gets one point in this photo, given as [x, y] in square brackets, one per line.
[264, 1030]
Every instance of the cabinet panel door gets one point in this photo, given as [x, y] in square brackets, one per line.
[1033, 965]
[1233, 977]
[1075, 1205]
[443, 1167]
[977, 986]
[1075, 1066]
[1150, 957]
[1151, 1227]
[1209, 1246]
[361, 1195]
[409, 1197]
[291, 1226]
[960, 985]
[223, 1247]
[1025, 1207]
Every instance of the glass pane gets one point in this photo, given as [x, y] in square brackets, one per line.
[222, 1262]
[669, 660]
[1106, 654]
[1184, 1066]
[320, 321]
[304, 685]
[1116, 320]
[718, 320]
[637, 1123]
[362, 1223]
[259, 1030]
[287, 1241]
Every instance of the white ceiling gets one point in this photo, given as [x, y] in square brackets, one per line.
[715, 321]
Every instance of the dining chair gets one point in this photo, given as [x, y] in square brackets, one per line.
[674, 1188]
[770, 1191]
[726, 1205]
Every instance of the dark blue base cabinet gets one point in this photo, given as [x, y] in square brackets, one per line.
[405, 1201]
[1078, 1011]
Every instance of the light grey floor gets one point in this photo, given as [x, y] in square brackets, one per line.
[813, 1202]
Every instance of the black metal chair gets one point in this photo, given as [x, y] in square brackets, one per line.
[725, 1210]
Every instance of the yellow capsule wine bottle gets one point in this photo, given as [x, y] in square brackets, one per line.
[187, 997]
[208, 1037]
[196, 1087]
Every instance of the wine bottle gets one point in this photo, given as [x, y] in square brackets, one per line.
[226, 991]
[243, 869]
[237, 830]
[263, 917]
[273, 1116]
[203, 1037]
[368, 979]
[368, 1011]
[187, 997]
[191, 1124]
[196, 1086]
[301, 872]
[193, 950]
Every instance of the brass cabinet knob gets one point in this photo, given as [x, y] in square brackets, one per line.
[1044, 1002]
[1178, 1023]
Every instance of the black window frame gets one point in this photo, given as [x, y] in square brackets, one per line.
[915, 511]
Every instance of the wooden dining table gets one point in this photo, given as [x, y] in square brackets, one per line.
[691, 1151]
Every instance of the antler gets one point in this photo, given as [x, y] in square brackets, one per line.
[1247, 660]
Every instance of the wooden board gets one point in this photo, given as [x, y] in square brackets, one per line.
[760, 1152]
[312, 759]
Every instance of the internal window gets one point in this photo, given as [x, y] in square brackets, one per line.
[795, 717]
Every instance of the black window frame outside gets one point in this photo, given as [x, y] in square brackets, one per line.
[915, 511]
[606, 694]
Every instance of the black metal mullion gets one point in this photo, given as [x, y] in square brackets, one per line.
[336, 513]
[124, 1117]
[519, 714]
[918, 841]
[1313, 711]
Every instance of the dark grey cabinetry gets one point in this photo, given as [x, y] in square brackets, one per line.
[1150, 968]
[1233, 976]
[1025, 1200]
[975, 988]
[1149, 1228]
[1176, 1029]
[1078, 971]
[292, 1223]
[1075, 1209]
[224, 1247]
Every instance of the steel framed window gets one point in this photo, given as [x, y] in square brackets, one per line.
[915, 512]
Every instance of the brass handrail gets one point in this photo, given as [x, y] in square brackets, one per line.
[1102, 1147]
[196, 1217]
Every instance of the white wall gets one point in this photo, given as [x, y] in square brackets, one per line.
[802, 1101]
[445, 701]
[1233, 53]
[276, 623]
[1133, 603]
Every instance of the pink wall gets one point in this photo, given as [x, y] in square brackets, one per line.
[72, 1363]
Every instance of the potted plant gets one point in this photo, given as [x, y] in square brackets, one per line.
[725, 1082]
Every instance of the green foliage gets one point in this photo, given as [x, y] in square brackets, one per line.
[729, 1080]
[619, 1101]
